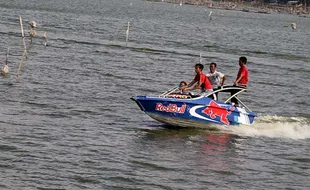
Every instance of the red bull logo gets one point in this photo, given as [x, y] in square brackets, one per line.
[172, 108]
[214, 109]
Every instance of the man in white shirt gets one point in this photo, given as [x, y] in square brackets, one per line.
[216, 78]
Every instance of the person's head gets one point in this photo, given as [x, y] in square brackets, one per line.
[198, 67]
[182, 83]
[212, 67]
[242, 61]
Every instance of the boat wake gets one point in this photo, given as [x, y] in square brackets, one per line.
[277, 127]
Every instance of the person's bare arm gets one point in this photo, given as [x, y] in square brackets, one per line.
[197, 86]
[237, 80]
[187, 86]
[223, 80]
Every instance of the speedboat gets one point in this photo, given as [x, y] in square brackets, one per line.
[201, 111]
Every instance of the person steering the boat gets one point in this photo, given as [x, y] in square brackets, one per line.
[242, 77]
[216, 78]
[202, 81]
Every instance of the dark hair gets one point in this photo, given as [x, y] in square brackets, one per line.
[199, 65]
[243, 59]
[183, 82]
[213, 64]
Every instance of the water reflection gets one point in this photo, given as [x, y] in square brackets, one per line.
[218, 152]
[209, 147]
[208, 152]
[219, 142]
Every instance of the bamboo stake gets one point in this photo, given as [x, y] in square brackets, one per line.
[25, 48]
[21, 63]
[7, 56]
[210, 15]
[127, 33]
[45, 40]
[23, 34]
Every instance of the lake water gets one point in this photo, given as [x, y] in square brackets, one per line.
[68, 122]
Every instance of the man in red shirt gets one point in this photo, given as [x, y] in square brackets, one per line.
[202, 81]
[243, 74]
[242, 78]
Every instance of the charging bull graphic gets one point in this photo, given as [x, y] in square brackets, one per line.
[214, 109]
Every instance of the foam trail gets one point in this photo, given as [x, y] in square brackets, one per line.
[277, 127]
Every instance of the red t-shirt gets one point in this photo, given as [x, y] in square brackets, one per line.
[201, 77]
[245, 75]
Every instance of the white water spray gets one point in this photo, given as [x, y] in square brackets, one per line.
[277, 127]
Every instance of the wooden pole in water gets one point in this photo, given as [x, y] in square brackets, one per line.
[25, 47]
[200, 58]
[23, 34]
[45, 40]
[210, 15]
[127, 33]
[7, 56]
[21, 63]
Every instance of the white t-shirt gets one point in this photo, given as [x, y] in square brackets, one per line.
[215, 78]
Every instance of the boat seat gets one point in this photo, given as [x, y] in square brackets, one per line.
[179, 95]
[213, 96]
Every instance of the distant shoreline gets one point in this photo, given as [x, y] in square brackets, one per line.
[248, 7]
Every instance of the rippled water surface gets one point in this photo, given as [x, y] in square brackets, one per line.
[68, 122]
